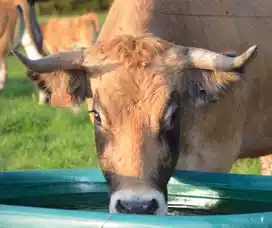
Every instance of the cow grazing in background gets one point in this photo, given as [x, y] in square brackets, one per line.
[60, 96]
[61, 34]
[18, 25]
[158, 105]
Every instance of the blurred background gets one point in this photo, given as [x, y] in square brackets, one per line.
[71, 7]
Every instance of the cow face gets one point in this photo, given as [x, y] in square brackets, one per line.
[140, 88]
[137, 129]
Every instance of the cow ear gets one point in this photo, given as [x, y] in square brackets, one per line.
[206, 86]
[64, 73]
[78, 86]
[67, 87]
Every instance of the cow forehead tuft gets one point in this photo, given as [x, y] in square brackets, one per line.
[131, 51]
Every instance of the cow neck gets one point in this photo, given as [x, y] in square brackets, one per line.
[133, 19]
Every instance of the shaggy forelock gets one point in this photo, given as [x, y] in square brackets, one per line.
[131, 51]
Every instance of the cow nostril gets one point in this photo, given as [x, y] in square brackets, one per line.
[152, 206]
[137, 207]
[121, 207]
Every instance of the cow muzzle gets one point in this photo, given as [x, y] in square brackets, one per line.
[146, 201]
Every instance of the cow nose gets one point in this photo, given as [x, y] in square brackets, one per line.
[137, 206]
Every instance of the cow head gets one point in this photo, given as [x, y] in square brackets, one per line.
[139, 88]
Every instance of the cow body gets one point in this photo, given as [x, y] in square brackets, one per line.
[18, 25]
[66, 33]
[61, 34]
[158, 107]
[250, 130]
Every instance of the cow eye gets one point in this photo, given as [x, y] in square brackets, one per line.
[97, 118]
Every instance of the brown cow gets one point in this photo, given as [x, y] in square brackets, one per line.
[18, 27]
[61, 34]
[11, 32]
[157, 105]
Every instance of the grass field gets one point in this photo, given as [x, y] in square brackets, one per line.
[44, 137]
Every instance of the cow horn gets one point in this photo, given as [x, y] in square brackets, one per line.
[205, 59]
[61, 61]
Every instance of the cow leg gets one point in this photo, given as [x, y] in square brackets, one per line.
[266, 165]
[30, 48]
[33, 53]
[3, 74]
[42, 97]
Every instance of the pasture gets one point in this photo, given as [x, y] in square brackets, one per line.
[45, 137]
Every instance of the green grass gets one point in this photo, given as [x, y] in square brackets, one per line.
[44, 137]
[33, 136]
[247, 166]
